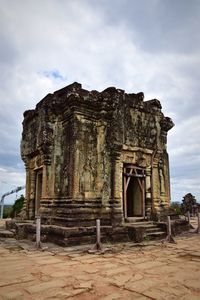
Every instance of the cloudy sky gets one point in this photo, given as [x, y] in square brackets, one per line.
[151, 46]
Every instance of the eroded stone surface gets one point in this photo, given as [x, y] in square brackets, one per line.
[80, 149]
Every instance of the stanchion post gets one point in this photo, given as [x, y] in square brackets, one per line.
[38, 232]
[98, 246]
[188, 215]
[198, 224]
[2, 207]
[198, 228]
[189, 220]
[98, 233]
[169, 229]
[169, 237]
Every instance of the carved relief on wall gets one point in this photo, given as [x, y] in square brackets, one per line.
[38, 161]
[65, 180]
[140, 159]
[128, 157]
[86, 179]
[67, 168]
[161, 177]
[87, 149]
[140, 129]
[45, 138]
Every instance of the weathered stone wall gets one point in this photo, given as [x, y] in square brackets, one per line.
[80, 141]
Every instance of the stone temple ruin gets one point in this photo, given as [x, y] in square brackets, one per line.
[91, 154]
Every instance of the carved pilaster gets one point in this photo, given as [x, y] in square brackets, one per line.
[31, 207]
[155, 181]
[148, 191]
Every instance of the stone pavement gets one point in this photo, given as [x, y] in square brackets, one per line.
[128, 271]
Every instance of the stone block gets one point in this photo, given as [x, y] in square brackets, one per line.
[136, 234]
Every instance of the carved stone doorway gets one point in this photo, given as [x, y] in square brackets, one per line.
[38, 193]
[134, 191]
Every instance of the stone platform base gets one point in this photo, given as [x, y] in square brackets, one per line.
[177, 226]
[67, 236]
[70, 236]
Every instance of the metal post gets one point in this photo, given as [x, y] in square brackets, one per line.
[2, 207]
[189, 220]
[38, 231]
[98, 232]
[98, 246]
[169, 229]
[198, 229]
[2, 199]
[188, 215]
[169, 237]
[198, 224]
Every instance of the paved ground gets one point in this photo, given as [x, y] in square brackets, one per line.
[157, 271]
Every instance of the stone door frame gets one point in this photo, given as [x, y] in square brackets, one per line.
[139, 174]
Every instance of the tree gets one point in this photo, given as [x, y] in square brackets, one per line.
[177, 207]
[189, 203]
[6, 211]
[17, 206]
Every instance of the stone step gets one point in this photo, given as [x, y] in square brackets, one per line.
[135, 220]
[152, 229]
[145, 225]
[6, 234]
[142, 224]
[155, 235]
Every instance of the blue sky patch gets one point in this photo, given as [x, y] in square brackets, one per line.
[55, 74]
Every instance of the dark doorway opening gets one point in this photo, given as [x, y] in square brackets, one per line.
[134, 199]
[134, 202]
